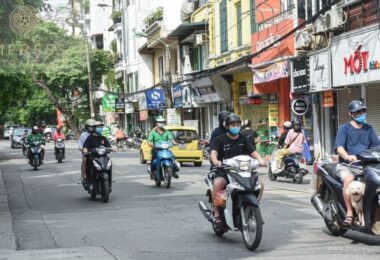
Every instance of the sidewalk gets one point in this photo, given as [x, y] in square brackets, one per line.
[7, 238]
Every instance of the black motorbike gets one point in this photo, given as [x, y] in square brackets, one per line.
[329, 202]
[99, 174]
[25, 146]
[35, 155]
[59, 150]
[294, 168]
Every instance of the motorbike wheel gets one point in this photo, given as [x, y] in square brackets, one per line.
[253, 231]
[334, 228]
[298, 178]
[167, 171]
[271, 176]
[35, 163]
[60, 156]
[142, 160]
[106, 191]
[158, 183]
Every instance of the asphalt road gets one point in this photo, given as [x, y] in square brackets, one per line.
[52, 216]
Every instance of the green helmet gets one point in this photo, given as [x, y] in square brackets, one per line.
[160, 119]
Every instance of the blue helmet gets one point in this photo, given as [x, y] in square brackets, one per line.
[356, 105]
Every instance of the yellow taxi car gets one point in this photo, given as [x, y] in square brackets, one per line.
[186, 151]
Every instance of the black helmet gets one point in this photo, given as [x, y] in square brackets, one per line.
[232, 118]
[222, 116]
[356, 105]
[296, 122]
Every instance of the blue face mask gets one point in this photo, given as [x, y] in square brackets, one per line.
[234, 130]
[99, 130]
[360, 119]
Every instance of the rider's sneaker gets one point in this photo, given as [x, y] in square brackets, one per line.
[175, 175]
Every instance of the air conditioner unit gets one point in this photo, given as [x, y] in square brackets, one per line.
[320, 25]
[303, 40]
[334, 18]
[200, 39]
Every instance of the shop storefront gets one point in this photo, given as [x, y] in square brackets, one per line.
[356, 70]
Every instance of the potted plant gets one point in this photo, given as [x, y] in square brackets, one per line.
[116, 16]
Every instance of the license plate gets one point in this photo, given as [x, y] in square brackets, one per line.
[182, 146]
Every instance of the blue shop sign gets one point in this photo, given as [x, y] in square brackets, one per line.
[155, 99]
[177, 96]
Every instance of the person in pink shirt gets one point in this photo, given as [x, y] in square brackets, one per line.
[293, 144]
[58, 134]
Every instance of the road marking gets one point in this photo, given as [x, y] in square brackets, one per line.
[290, 189]
[289, 203]
[54, 174]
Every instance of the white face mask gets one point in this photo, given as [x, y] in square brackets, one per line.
[160, 125]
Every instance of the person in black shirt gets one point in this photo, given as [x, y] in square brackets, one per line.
[281, 140]
[251, 134]
[227, 146]
[221, 129]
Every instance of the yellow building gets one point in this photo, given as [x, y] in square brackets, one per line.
[229, 35]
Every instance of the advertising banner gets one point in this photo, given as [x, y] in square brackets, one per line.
[155, 99]
[108, 103]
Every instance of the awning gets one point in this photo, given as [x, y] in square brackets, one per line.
[211, 89]
[144, 49]
[185, 29]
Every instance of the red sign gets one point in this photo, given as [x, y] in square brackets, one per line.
[255, 101]
[328, 98]
[266, 9]
[356, 62]
[143, 115]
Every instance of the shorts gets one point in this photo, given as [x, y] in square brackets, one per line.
[342, 171]
[220, 173]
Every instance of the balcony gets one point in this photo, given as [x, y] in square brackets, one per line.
[156, 15]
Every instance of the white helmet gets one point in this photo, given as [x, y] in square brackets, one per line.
[90, 122]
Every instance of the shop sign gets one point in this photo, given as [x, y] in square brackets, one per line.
[141, 98]
[177, 96]
[300, 75]
[173, 116]
[299, 107]
[119, 106]
[108, 103]
[186, 96]
[129, 108]
[328, 98]
[275, 71]
[273, 114]
[320, 71]
[155, 99]
[143, 115]
[255, 101]
[355, 58]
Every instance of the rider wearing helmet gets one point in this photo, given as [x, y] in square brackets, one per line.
[36, 136]
[221, 129]
[251, 134]
[227, 146]
[88, 129]
[353, 138]
[58, 133]
[159, 134]
[287, 126]
[294, 143]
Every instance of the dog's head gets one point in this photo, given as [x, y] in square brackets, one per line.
[356, 189]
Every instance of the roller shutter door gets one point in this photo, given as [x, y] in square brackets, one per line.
[373, 106]
[345, 96]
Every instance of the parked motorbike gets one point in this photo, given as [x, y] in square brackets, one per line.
[164, 164]
[294, 168]
[35, 156]
[59, 150]
[329, 202]
[99, 174]
[242, 211]
[129, 142]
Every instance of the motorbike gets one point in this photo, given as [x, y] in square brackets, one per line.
[329, 202]
[294, 168]
[164, 164]
[25, 146]
[35, 156]
[59, 150]
[129, 142]
[99, 174]
[241, 212]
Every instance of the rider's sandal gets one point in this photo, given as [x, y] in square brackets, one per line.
[348, 221]
[218, 221]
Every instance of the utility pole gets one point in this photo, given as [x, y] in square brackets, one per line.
[89, 73]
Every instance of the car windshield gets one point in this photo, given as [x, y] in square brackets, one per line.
[18, 132]
[184, 135]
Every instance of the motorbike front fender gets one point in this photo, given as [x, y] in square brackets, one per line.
[247, 198]
[167, 163]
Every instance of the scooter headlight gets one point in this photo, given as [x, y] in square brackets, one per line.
[97, 165]
[109, 164]
[245, 166]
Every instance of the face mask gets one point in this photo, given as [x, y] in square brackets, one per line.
[160, 125]
[360, 119]
[297, 128]
[234, 130]
[99, 130]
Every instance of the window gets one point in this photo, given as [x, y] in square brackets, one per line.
[136, 74]
[238, 24]
[254, 27]
[223, 26]
[184, 135]
[161, 67]
[130, 83]
[198, 61]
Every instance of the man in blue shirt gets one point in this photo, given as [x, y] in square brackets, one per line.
[353, 138]
[89, 128]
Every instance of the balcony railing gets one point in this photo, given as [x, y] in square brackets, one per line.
[287, 14]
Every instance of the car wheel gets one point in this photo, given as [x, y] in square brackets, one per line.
[197, 164]
[142, 160]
